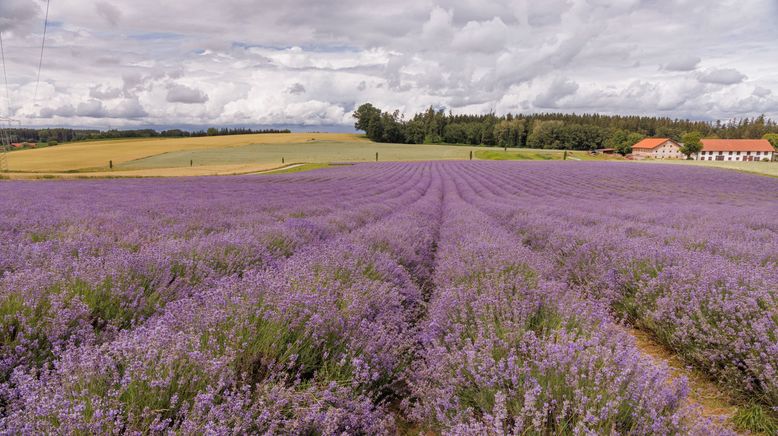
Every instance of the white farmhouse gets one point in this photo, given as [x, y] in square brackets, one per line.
[657, 148]
[741, 150]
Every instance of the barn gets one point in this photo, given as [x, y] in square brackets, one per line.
[741, 150]
[657, 148]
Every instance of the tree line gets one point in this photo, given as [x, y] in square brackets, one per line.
[547, 130]
[59, 135]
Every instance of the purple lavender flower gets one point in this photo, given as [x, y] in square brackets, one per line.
[458, 297]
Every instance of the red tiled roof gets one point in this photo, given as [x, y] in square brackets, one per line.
[736, 145]
[651, 143]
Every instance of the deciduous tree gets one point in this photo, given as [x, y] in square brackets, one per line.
[692, 144]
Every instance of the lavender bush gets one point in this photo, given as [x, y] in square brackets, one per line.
[459, 298]
[700, 277]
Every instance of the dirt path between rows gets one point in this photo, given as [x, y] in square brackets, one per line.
[712, 402]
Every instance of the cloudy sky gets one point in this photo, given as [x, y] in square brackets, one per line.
[126, 63]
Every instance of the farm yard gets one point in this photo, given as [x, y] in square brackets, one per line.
[392, 298]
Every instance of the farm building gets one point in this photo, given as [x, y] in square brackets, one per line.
[657, 148]
[742, 150]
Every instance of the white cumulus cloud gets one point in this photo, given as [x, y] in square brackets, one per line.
[199, 62]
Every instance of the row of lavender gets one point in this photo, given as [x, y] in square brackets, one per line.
[82, 261]
[506, 349]
[315, 342]
[699, 269]
[357, 300]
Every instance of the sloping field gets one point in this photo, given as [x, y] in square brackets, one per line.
[311, 152]
[460, 298]
[95, 155]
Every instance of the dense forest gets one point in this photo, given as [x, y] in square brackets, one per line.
[547, 130]
[69, 135]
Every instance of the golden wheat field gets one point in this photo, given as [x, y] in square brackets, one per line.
[206, 170]
[80, 156]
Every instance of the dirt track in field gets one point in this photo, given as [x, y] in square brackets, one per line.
[712, 402]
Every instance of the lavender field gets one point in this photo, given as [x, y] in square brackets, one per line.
[444, 297]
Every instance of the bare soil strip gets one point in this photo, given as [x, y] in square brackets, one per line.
[712, 402]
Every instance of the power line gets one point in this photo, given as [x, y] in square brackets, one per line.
[5, 136]
[43, 44]
[5, 76]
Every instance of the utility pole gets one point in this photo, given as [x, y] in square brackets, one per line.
[5, 141]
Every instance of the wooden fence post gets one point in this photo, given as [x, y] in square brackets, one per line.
[376, 156]
[471, 154]
[110, 164]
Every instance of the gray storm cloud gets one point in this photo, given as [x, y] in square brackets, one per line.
[559, 89]
[109, 12]
[16, 15]
[137, 62]
[186, 95]
[725, 76]
[683, 63]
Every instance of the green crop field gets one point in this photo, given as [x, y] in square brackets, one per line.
[520, 154]
[539, 154]
[308, 152]
[340, 151]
